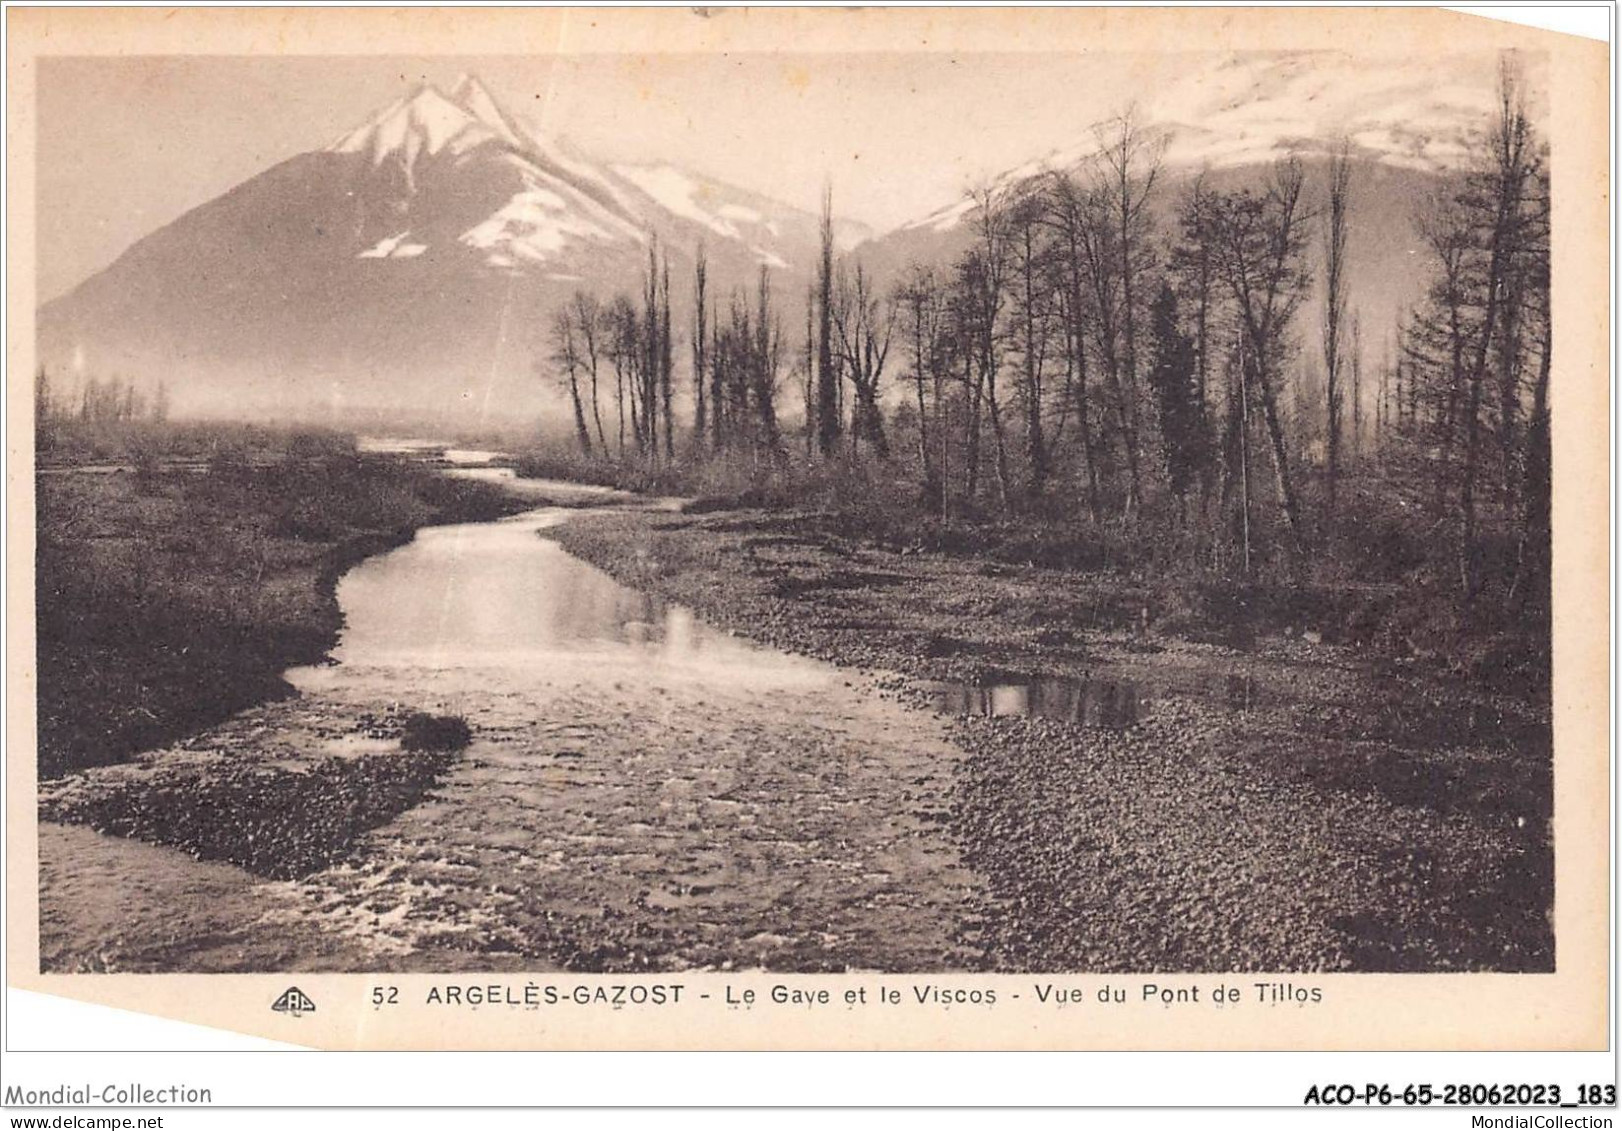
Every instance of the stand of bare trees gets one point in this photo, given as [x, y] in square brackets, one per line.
[94, 405]
[639, 345]
[1475, 358]
[1122, 355]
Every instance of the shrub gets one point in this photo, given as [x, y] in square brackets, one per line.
[435, 732]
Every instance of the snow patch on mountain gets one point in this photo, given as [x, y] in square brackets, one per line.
[769, 258]
[740, 212]
[675, 190]
[533, 226]
[942, 219]
[393, 247]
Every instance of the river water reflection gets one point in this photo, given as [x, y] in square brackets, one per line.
[507, 607]
[1088, 702]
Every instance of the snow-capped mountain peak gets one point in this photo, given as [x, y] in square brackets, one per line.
[518, 198]
[474, 97]
[424, 121]
[413, 262]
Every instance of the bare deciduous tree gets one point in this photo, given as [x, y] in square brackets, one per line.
[1259, 242]
[1340, 182]
[862, 325]
[566, 356]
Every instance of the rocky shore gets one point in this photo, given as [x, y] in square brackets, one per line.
[1270, 802]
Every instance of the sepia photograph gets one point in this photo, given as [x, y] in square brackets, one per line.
[908, 512]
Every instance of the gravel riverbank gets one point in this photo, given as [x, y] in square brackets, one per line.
[1274, 803]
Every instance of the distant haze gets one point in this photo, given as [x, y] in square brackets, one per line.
[127, 145]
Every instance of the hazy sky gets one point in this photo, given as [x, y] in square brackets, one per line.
[127, 145]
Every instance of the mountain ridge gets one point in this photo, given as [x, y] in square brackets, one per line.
[413, 262]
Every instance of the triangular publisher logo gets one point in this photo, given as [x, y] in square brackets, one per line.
[294, 1001]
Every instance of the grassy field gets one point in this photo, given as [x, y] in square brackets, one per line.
[175, 589]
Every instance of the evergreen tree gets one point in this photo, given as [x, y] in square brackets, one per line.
[1174, 377]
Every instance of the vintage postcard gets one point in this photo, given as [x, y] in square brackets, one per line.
[811, 529]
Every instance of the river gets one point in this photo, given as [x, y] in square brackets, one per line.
[641, 791]
[476, 609]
